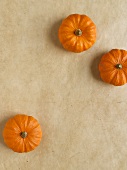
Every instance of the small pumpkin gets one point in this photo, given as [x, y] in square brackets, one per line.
[22, 133]
[113, 67]
[77, 33]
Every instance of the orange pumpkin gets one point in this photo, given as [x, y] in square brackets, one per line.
[77, 33]
[22, 133]
[113, 67]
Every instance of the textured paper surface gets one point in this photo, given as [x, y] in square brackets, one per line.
[84, 120]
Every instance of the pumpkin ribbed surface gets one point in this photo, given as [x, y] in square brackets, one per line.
[113, 67]
[77, 33]
[22, 133]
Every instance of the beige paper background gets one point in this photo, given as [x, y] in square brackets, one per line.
[84, 120]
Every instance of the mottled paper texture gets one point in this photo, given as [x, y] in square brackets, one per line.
[84, 120]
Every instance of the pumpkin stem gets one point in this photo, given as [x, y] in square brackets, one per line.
[119, 66]
[78, 32]
[23, 134]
